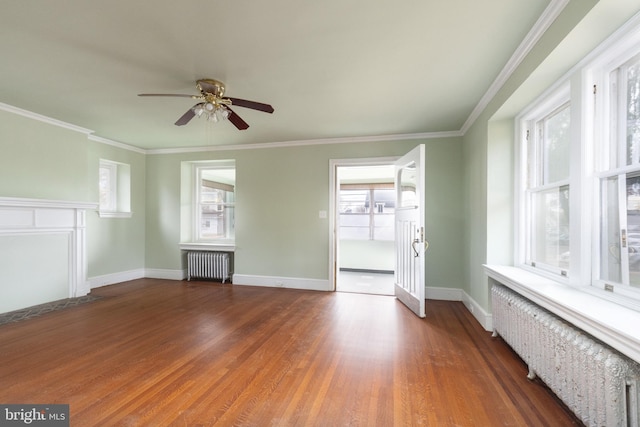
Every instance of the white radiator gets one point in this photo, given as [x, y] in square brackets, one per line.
[596, 382]
[208, 265]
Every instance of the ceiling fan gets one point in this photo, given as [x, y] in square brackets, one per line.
[213, 105]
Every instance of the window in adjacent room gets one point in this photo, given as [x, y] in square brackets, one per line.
[114, 184]
[367, 211]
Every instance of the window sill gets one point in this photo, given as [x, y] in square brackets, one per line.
[612, 323]
[110, 214]
[213, 247]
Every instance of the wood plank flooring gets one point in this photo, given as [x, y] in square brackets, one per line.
[159, 353]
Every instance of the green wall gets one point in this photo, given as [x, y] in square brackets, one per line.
[40, 160]
[116, 245]
[43, 161]
[279, 193]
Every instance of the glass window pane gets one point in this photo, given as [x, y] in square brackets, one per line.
[384, 200]
[550, 227]
[633, 229]
[216, 207]
[610, 265]
[556, 146]
[353, 201]
[354, 226]
[384, 227]
[408, 186]
[633, 113]
[354, 220]
[105, 188]
[367, 213]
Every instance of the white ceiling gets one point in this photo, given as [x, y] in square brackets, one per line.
[331, 68]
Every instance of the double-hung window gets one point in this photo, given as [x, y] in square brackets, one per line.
[579, 183]
[215, 202]
[546, 189]
[618, 174]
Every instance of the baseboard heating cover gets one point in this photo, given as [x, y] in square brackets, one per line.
[596, 382]
[208, 265]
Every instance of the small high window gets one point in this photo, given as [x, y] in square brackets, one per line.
[114, 186]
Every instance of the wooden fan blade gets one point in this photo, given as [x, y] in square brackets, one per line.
[169, 94]
[251, 104]
[236, 120]
[186, 117]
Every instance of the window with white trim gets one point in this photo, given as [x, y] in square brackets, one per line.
[114, 188]
[578, 217]
[367, 211]
[546, 185]
[215, 202]
[618, 173]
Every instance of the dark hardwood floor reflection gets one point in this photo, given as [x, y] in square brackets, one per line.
[159, 353]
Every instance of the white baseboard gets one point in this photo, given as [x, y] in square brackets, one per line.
[282, 282]
[113, 278]
[444, 294]
[123, 276]
[485, 319]
[159, 273]
[448, 294]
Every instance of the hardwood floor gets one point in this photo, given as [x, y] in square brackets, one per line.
[159, 352]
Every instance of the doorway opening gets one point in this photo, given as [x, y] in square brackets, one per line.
[364, 215]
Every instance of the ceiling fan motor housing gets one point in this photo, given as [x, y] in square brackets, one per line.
[211, 86]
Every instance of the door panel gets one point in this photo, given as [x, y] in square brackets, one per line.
[409, 230]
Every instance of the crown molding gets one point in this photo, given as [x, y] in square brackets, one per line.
[325, 141]
[39, 117]
[543, 23]
[117, 144]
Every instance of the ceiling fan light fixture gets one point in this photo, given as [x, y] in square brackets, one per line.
[198, 110]
[213, 106]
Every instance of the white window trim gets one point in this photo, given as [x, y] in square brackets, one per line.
[117, 211]
[551, 100]
[611, 317]
[584, 185]
[198, 167]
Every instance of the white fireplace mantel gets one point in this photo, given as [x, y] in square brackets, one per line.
[38, 217]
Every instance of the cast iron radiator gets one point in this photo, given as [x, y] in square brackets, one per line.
[208, 265]
[599, 384]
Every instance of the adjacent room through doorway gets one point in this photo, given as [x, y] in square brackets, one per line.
[365, 206]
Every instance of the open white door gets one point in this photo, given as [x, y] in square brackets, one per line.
[409, 230]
